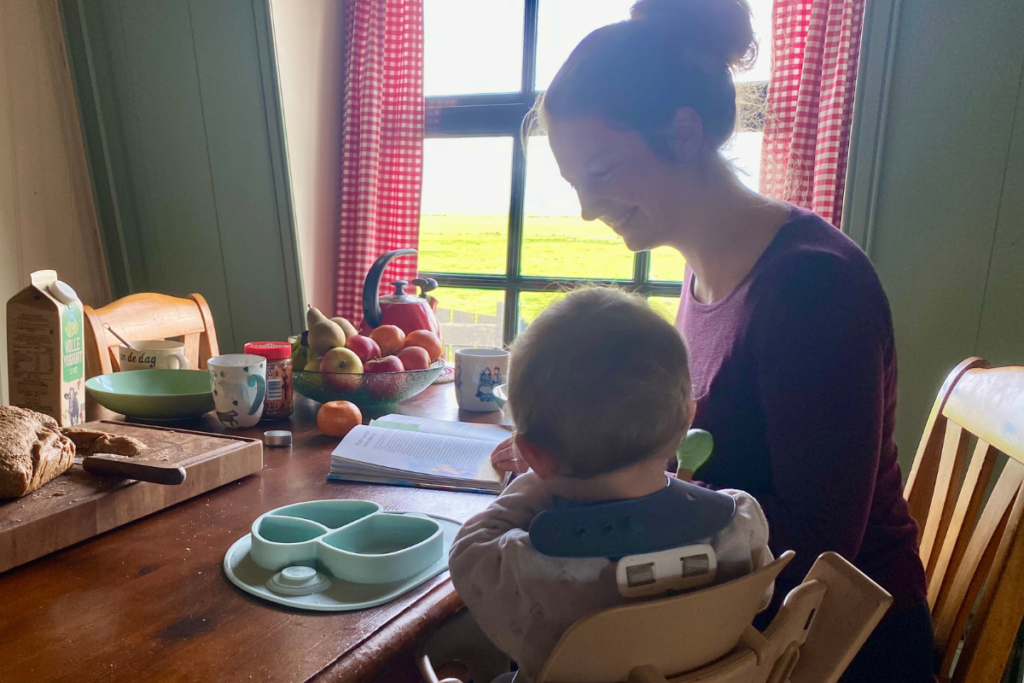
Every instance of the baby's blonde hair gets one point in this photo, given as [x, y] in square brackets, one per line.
[599, 381]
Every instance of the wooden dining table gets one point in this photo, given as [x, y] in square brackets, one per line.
[149, 601]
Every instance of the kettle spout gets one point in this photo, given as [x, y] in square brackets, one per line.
[372, 315]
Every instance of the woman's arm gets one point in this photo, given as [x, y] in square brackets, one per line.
[821, 336]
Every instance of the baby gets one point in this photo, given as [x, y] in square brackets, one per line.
[600, 395]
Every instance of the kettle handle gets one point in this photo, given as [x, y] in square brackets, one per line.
[372, 314]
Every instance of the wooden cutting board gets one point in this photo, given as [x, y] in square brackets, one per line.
[78, 505]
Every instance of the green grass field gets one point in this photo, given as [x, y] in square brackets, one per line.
[554, 246]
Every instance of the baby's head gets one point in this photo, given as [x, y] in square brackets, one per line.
[599, 382]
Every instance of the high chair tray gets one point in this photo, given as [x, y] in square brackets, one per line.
[341, 595]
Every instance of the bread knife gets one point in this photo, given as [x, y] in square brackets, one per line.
[115, 466]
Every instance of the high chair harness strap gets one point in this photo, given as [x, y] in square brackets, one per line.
[679, 514]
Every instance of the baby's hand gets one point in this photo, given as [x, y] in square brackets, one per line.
[505, 457]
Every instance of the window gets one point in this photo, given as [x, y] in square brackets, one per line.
[500, 229]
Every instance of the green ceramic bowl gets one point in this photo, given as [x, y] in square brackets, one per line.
[154, 394]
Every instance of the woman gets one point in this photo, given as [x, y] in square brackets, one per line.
[789, 332]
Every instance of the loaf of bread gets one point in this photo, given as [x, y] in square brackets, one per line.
[32, 451]
[92, 441]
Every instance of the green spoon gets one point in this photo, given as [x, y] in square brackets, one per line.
[695, 450]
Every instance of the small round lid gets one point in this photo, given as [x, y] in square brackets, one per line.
[277, 438]
[271, 350]
[62, 292]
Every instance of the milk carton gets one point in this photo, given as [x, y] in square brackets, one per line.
[46, 349]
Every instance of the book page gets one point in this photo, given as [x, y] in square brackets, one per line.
[460, 429]
[425, 454]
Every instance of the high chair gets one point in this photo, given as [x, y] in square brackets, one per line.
[149, 316]
[970, 550]
[706, 636]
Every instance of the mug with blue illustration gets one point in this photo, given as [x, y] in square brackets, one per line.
[239, 387]
[477, 373]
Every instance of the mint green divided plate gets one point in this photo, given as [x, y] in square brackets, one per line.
[339, 595]
[154, 394]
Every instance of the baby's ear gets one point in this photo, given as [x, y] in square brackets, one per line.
[537, 458]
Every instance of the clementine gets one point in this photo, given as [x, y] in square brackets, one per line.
[389, 338]
[427, 340]
[337, 418]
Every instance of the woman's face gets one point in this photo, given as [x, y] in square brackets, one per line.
[619, 179]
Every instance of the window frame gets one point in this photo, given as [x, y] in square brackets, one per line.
[501, 115]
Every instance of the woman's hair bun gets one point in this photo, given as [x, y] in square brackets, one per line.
[672, 55]
[717, 30]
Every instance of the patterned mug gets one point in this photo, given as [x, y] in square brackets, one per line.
[477, 373]
[239, 387]
[152, 354]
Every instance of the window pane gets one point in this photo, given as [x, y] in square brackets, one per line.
[562, 24]
[532, 303]
[743, 150]
[471, 46]
[556, 241]
[667, 264]
[762, 20]
[470, 318]
[666, 305]
[464, 211]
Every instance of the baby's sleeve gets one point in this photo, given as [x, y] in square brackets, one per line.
[521, 599]
[742, 547]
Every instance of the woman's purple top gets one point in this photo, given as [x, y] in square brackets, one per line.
[794, 375]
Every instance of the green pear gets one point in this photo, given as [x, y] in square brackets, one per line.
[312, 363]
[350, 329]
[324, 334]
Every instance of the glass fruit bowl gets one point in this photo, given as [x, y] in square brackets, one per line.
[372, 392]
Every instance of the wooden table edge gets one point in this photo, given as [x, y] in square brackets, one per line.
[369, 656]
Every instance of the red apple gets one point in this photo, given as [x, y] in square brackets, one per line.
[364, 347]
[386, 364]
[342, 369]
[414, 358]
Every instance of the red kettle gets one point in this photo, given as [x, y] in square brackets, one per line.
[407, 311]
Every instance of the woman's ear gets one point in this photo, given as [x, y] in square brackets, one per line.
[536, 458]
[687, 136]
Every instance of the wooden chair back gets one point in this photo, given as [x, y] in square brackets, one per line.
[149, 316]
[852, 606]
[672, 634]
[822, 624]
[973, 554]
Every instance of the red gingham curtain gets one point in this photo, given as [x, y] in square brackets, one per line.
[382, 144]
[815, 49]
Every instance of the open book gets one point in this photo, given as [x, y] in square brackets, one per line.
[416, 451]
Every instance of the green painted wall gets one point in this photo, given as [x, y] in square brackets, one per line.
[179, 107]
[935, 186]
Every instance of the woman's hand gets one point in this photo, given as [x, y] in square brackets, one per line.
[505, 457]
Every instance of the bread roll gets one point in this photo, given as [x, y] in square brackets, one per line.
[93, 441]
